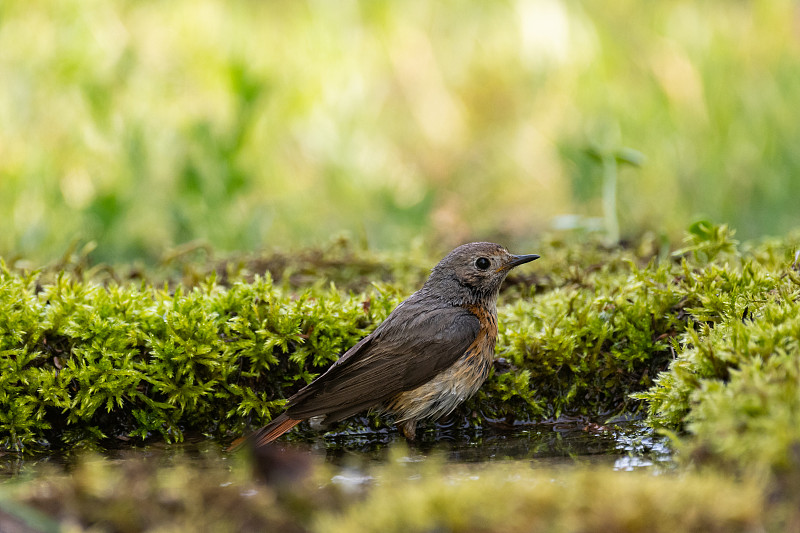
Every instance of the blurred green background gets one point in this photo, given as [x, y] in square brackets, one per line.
[256, 124]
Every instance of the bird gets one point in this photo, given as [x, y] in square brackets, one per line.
[433, 351]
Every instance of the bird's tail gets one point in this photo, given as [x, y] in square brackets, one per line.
[277, 427]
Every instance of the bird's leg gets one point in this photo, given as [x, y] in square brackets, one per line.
[408, 428]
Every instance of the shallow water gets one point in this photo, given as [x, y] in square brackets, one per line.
[564, 444]
[621, 446]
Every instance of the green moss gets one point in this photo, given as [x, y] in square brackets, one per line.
[584, 348]
[736, 386]
[734, 381]
[83, 362]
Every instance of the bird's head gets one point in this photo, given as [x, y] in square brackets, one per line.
[474, 272]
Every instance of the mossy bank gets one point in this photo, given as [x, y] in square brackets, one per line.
[94, 356]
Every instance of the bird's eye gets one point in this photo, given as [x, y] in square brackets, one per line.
[482, 263]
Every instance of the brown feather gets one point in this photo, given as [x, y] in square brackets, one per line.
[277, 427]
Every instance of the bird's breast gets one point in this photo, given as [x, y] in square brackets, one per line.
[447, 389]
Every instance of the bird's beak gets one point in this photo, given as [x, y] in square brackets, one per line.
[517, 260]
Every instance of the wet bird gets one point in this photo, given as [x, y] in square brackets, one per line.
[430, 354]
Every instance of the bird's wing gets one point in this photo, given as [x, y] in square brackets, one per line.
[410, 347]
